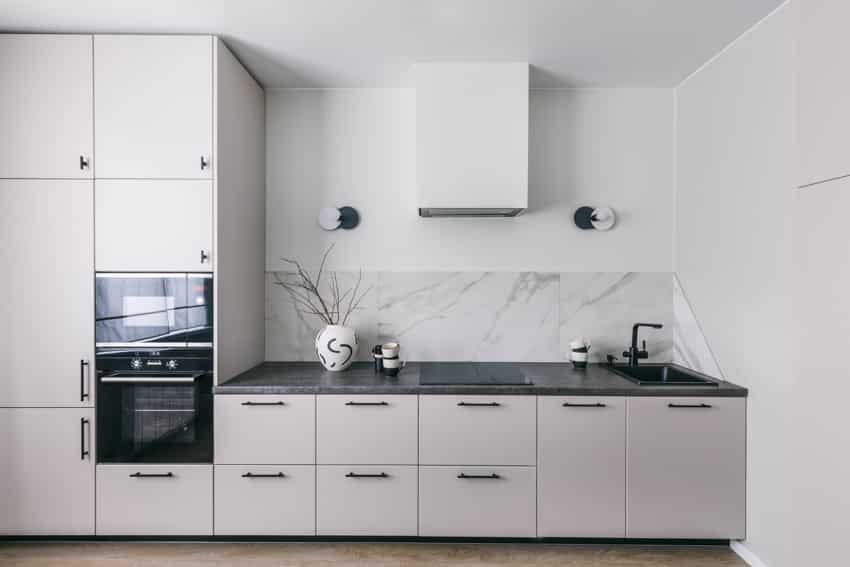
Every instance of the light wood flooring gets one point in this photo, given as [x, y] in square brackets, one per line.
[108, 554]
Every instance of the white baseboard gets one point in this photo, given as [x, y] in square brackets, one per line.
[746, 554]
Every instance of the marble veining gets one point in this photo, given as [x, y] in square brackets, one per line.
[690, 347]
[603, 306]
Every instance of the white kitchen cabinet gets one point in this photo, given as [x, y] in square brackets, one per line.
[366, 500]
[686, 468]
[581, 467]
[153, 103]
[165, 500]
[269, 500]
[476, 502]
[366, 430]
[46, 471]
[823, 87]
[46, 102]
[265, 429]
[477, 430]
[46, 227]
[149, 225]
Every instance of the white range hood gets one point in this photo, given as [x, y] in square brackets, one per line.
[471, 139]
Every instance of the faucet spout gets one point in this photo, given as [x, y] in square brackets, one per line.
[634, 354]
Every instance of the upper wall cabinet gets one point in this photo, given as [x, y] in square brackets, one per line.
[46, 102]
[823, 87]
[154, 106]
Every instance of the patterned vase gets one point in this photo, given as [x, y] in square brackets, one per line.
[336, 346]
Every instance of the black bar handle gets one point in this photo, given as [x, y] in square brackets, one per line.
[492, 476]
[255, 475]
[263, 403]
[83, 392]
[366, 475]
[83, 451]
[152, 475]
[688, 405]
[479, 404]
[84, 162]
[596, 405]
[366, 403]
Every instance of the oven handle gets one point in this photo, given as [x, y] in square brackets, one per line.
[149, 379]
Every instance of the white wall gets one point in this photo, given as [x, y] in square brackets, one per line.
[735, 150]
[356, 147]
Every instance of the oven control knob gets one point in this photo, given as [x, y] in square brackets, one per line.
[171, 364]
[136, 363]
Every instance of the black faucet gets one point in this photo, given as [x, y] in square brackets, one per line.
[633, 354]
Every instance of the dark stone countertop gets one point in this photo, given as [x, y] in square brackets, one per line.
[547, 379]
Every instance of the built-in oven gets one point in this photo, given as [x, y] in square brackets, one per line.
[154, 405]
[153, 310]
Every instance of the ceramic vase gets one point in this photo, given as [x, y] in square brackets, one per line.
[336, 347]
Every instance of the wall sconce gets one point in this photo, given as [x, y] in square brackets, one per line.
[589, 218]
[332, 218]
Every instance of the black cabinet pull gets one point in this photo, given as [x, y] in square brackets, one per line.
[255, 475]
[596, 405]
[479, 404]
[152, 475]
[491, 476]
[83, 451]
[84, 364]
[263, 403]
[205, 163]
[688, 405]
[367, 475]
[84, 163]
[366, 403]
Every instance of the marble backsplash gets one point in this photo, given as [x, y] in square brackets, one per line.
[489, 316]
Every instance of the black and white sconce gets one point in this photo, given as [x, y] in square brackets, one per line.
[332, 218]
[599, 218]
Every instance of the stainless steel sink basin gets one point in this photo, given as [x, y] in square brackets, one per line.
[662, 375]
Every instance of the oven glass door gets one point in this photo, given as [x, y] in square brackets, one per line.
[140, 308]
[145, 418]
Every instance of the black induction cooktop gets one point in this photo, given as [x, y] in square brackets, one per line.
[454, 373]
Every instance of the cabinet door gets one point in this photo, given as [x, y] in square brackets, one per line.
[154, 500]
[146, 225]
[366, 430]
[46, 102]
[268, 500]
[823, 87]
[366, 501]
[476, 501]
[581, 467]
[686, 468]
[47, 292]
[153, 103]
[47, 471]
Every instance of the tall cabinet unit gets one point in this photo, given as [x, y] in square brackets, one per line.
[47, 336]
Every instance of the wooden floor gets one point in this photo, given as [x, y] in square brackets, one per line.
[355, 554]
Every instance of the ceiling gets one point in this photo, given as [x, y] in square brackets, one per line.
[359, 43]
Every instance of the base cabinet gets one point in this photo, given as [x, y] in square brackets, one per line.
[686, 468]
[366, 500]
[476, 501]
[581, 467]
[156, 500]
[46, 471]
[265, 500]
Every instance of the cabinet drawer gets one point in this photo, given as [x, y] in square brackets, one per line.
[686, 468]
[581, 467]
[477, 430]
[477, 501]
[382, 503]
[265, 500]
[176, 500]
[366, 430]
[265, 429]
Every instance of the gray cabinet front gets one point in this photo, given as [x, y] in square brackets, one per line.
[686, 466]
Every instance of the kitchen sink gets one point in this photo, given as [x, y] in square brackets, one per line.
[662, 375]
